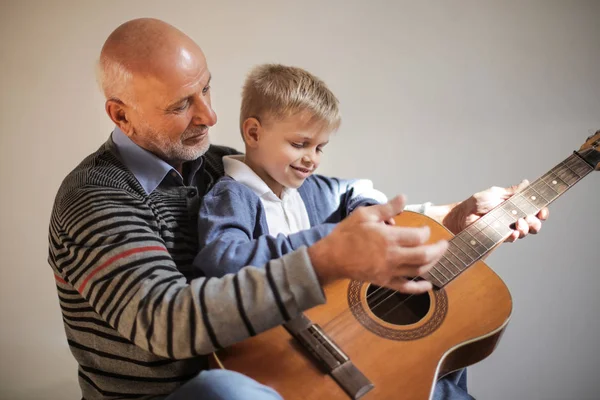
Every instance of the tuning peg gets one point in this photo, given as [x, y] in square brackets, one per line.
[592, 135]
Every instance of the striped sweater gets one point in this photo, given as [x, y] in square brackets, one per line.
[138, 317]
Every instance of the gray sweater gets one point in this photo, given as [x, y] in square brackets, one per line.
[138, 319]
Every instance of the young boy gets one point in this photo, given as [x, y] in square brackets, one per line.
[270, 202]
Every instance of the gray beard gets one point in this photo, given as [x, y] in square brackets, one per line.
[177, 153]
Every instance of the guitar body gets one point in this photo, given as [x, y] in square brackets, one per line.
[402, 349]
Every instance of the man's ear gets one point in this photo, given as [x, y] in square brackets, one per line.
[251, 130]
[118, 113]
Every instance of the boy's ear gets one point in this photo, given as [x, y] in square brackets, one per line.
[251, 130]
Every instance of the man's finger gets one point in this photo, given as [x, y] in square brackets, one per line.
[410, 257]
[407, 286]
[383, 212]
[534, 224]
[410, 236]
[517, 188]
[543, 214]
[513, 237]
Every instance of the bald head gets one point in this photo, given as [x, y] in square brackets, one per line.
[144, 47]
[157, 87]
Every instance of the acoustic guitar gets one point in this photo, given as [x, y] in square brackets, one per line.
[374, 343]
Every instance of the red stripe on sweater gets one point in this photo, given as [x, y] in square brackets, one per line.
[59, 279]
[118, 257]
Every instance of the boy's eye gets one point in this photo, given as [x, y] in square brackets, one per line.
[319, 149]
[297, 145]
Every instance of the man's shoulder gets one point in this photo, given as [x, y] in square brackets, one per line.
[221, 151]
[214, 158]
[100, 173]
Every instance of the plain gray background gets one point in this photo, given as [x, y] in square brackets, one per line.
[440, 99]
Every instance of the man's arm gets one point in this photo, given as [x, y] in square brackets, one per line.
[440, 212]
[108, 249]
[230, 234]
[102, 245]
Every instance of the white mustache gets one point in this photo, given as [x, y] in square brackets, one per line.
[196, 132]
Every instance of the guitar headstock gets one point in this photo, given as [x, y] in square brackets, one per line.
[590, 151]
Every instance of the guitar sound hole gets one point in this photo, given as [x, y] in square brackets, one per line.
[397, 308]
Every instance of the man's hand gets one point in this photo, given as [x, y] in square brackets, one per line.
[470, 210]
[364, 248]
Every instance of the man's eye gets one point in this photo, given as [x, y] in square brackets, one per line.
[205, 90]
[182, 107]
[297, 145]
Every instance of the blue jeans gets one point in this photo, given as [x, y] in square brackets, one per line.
[452, 387]
[220, 384]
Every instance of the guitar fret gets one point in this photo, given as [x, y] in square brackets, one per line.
[494, 236]
[430, 276]
[456, 261]
[479, 248]
[557, 184]
[434, 274]
[496, 214]
[567, 175]
[580, 167]
[520, 201]
[451, 268]
[466, 247]
[446, 270]
[484, 240]
[535, 197]
[506, 219]
[455, 248]
[511, 208]
[503, 229]
[486, 220]
[545, 189]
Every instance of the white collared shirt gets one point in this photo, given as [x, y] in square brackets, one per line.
[286, 215]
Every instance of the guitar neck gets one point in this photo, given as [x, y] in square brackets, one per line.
[479, 238]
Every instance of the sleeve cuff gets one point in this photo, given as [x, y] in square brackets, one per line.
[418, 208]
[302, 280]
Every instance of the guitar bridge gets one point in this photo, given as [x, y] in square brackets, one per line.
[330, 356]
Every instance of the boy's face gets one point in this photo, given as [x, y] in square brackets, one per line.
[287, 151]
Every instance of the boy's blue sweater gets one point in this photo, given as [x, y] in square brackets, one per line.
[233, 230]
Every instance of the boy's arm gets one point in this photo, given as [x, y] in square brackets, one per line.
[357, 193]
[230, 234]
[345, 195]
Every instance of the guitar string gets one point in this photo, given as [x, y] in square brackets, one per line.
[331, 323]
[502, 240]
[470, 264]
[561, 167]
[344, 313]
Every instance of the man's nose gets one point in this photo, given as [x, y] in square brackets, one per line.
[203, 112]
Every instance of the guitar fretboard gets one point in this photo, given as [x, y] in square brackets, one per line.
[483, 235]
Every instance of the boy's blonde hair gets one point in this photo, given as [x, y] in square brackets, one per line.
[279, 91]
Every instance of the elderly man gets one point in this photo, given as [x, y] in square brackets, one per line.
[122, 238]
